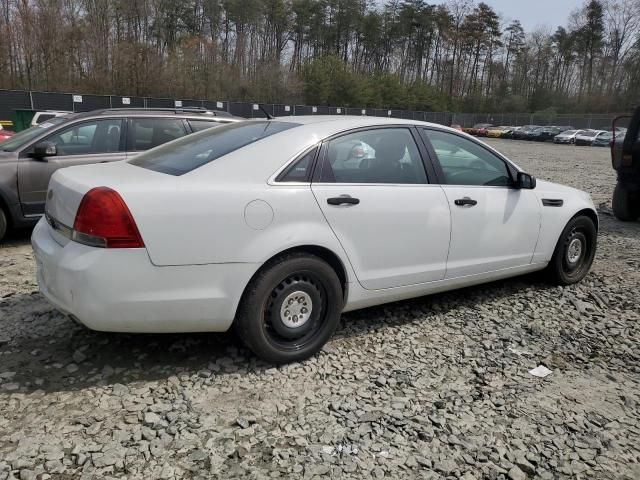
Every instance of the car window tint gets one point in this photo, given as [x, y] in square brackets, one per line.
[382, 155]
[464, 162]
[199, 125]
[147, 133]
[44, 118]
[299, 171]
[189, 153]
[97, 136]
[22, 138]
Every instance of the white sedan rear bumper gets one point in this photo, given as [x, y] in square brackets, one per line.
[120, 290]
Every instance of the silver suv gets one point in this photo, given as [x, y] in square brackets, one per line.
[29, 158]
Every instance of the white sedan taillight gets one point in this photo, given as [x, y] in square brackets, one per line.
[103, 220]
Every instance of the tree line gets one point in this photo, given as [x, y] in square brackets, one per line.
[411, 54]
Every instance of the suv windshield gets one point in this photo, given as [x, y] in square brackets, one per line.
[190, 152]
[20, 139]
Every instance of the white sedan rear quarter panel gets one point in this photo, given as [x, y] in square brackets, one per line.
[210, 226]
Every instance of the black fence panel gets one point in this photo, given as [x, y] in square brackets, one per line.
[431, 117]
[90, 102]
[354, 111]
[258, 110]
[303, 110]
[20, 99]
[160, 102]
[11, 100]
[127, 102]
[214, 105]
[52, 101]
[240, 109]
[442, 118]
[583, 123]
[282, 110]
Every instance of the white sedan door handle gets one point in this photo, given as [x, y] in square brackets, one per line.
[463, 202]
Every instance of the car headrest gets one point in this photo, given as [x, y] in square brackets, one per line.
[391, 148]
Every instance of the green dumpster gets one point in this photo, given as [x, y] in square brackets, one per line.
[22, 119]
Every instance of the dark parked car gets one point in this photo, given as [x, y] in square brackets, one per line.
[523, 133]
[533, 134]
[544, 134]
[509, 132]
[30, 157]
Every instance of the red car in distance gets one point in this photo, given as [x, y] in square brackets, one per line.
[4, 134]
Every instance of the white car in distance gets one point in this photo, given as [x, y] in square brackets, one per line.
[271, 226]
[567, 137]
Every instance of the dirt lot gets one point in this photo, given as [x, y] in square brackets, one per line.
[431, 388]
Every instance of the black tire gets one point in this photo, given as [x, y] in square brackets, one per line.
[626, 205]
[3, 224]
[574, 252]
[313, 289]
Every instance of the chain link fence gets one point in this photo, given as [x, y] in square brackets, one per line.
[10, 100]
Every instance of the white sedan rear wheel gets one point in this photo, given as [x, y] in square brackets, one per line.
[290, 308]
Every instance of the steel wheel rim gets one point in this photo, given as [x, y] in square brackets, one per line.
[303, 284]
[576, 252]
[296, 309]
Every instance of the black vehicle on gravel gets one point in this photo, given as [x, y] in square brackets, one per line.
[625, 157]
[523, 133]
[544, 134]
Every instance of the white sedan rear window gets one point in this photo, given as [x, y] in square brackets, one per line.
[190, 152]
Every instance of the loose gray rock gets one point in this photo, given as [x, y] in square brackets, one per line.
[516, 474]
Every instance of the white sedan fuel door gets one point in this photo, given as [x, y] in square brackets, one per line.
[393, 225]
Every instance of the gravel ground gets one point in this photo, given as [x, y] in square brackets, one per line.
[435, 387]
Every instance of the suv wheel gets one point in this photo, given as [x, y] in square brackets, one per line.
[626, 204]
[290, 309]
[3, 224]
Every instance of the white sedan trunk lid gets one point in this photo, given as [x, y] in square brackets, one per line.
[69, 185]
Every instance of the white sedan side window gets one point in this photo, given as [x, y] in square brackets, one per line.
[382, 155]
[464, 162]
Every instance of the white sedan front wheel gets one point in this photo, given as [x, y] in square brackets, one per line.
[574, 251]
[290, 309]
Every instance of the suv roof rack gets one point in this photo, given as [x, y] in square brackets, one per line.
[206, 111]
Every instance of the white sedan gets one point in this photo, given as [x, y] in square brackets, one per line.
[270, 227]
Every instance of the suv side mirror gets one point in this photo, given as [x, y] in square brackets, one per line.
[45, 149]
[525, 181]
